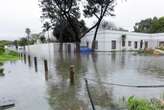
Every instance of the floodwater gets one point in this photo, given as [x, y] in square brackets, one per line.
[34, 89]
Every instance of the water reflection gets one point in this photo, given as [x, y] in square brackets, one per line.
[46, 69]
[1, 69]
[115, 67]
[24, 58]
[29, 61]
[62, 95]
[35, 64]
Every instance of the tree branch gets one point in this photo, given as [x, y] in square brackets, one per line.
[91, 28]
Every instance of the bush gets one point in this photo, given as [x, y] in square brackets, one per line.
[1, 70]
[1, 63]
[142, 104]
[13, 53]
[2, 50]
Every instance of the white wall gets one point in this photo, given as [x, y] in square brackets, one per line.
[105, 37]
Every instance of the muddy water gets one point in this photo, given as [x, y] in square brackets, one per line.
[38, 90]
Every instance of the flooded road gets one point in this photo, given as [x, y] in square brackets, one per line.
[32, 88]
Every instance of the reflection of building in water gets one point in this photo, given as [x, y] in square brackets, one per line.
[117, 40]
[102, 96]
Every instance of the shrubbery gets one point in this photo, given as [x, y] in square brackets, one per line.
[2, 50]
[143, 104]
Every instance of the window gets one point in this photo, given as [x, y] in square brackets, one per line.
[141, 44]
[129, 43]
[135, 44]
[113, 44]
[146, 44]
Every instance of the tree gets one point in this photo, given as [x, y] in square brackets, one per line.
[143, 26]
[28, 31]
[83, 27]
[47, 26]
[23, 42]
[158, 25]
[108, 25]
[59, 11]
[64, 33]
[98, 9]
[42, 39]
[150, 25]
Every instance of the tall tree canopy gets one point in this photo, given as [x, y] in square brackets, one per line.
[63, 14]
[150, 25]
[28, 31]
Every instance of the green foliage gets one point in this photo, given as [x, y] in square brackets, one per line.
[142, 104]
[23, 42]
[2, 50]
[64, 15]
[4, 42]
[47, 26]
[149, 25]
[1, 70]
[42, 39]
[138, 104]
[99, 8]
[1, 63]
[64, 32]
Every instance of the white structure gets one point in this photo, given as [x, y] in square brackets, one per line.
[118, 40]
[49, 35]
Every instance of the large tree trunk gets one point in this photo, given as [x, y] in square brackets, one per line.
[95, 35]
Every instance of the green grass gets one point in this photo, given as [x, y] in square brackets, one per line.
[8, 56]
[143, 104]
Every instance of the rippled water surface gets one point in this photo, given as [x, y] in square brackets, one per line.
[41, 91]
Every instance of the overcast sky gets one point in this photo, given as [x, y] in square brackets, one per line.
[16, 15]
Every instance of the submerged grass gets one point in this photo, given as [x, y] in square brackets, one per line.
[143, 104]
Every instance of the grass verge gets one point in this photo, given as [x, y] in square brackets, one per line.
[8, 56]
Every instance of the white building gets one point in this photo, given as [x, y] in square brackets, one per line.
[118, 40]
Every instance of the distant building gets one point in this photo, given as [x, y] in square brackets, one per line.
[49, 36]
[119, 40]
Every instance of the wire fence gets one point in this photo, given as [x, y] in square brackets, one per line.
[126, 85]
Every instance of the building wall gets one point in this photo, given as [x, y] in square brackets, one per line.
[105, 38]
